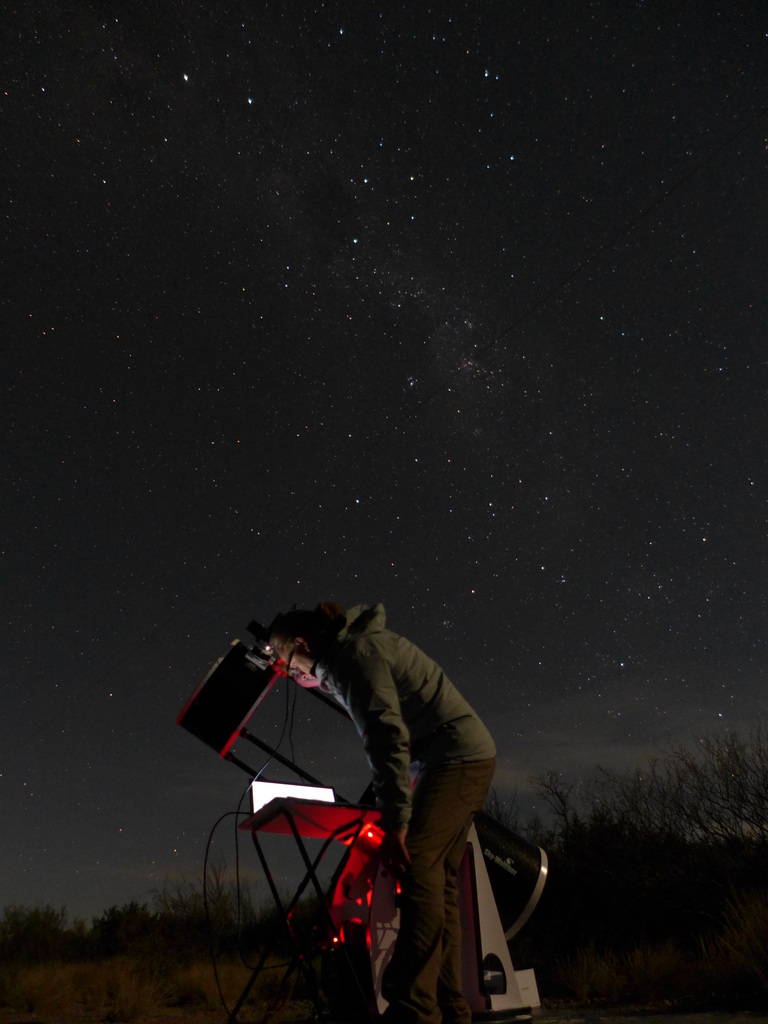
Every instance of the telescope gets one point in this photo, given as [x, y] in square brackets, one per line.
[500, 881]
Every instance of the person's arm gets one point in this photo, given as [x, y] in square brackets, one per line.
[374, 705]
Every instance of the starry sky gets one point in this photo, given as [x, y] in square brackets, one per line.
[461, 308]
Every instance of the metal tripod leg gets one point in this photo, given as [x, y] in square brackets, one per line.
[285, 915]
[324, 901]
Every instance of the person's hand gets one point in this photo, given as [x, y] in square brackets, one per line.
[394, 853]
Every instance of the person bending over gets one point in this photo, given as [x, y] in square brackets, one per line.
[406, 710]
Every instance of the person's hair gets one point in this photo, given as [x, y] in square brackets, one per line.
[317, 626]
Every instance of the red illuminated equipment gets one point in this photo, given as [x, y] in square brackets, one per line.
[500, 881]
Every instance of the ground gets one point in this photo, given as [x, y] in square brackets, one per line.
[586, 1016]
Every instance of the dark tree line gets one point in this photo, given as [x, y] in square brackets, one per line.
[173, 928]
[664, 853]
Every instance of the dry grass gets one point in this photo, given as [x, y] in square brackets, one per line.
[44, 989]
[651, 976]
[116, 990]
[656, 975]
[131, 994]
[195, 986]
[743, 944]
[591, 975]
[122, 990]
[732, 964]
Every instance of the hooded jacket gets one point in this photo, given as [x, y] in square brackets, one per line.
[403, 704]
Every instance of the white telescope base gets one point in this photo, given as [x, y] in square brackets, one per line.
[495, 993]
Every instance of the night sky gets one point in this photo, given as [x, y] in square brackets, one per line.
[462, 309]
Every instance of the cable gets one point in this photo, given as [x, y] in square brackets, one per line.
[282, 734]
[238, 811]
[293, 716]
[317, 491]
[290, 711]
[236, 814]
[209, 929]
[237, 875]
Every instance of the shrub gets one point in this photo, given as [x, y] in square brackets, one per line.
[648, 857]
[127, 930]
[32, 933]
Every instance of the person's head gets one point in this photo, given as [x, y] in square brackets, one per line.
[300, 636]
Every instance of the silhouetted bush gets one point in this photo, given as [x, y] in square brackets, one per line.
[172, 929]
[661, 858]
[130, 929]
[38, 934]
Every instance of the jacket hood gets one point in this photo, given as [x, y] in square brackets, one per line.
[362, 620]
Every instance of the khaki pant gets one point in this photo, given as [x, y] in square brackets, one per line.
[423, 980]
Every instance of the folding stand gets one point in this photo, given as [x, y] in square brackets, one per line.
[306, 819]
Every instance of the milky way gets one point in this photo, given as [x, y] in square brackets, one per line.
[460, 310]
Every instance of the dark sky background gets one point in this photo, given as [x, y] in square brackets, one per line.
[289, 312]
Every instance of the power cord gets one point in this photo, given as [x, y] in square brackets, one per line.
[293, 716]
[206, 906]
[285, 726]
[209, 929]
[290, 709]
[237, 877]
